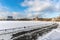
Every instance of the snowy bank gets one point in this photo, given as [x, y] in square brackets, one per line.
[53, 35]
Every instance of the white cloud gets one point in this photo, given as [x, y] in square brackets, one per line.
[29, 15]
[38, 5]
[35, 6]
[4, 12]
[17, 15]
[57, 6]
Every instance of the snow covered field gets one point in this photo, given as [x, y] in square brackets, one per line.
[53, 35]
[17, 24]
[11, 26]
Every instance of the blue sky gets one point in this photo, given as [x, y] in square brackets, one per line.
[29, 8]
[13, 5]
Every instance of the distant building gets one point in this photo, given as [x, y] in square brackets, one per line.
[42, 19]
[9, 17]
[36, 18]
[56, 19]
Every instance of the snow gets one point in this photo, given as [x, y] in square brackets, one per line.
[53, 35]
[16, 24]
[21, 24]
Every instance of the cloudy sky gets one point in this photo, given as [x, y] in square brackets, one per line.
[29, 8]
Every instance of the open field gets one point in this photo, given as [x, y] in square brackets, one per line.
[5, 26]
